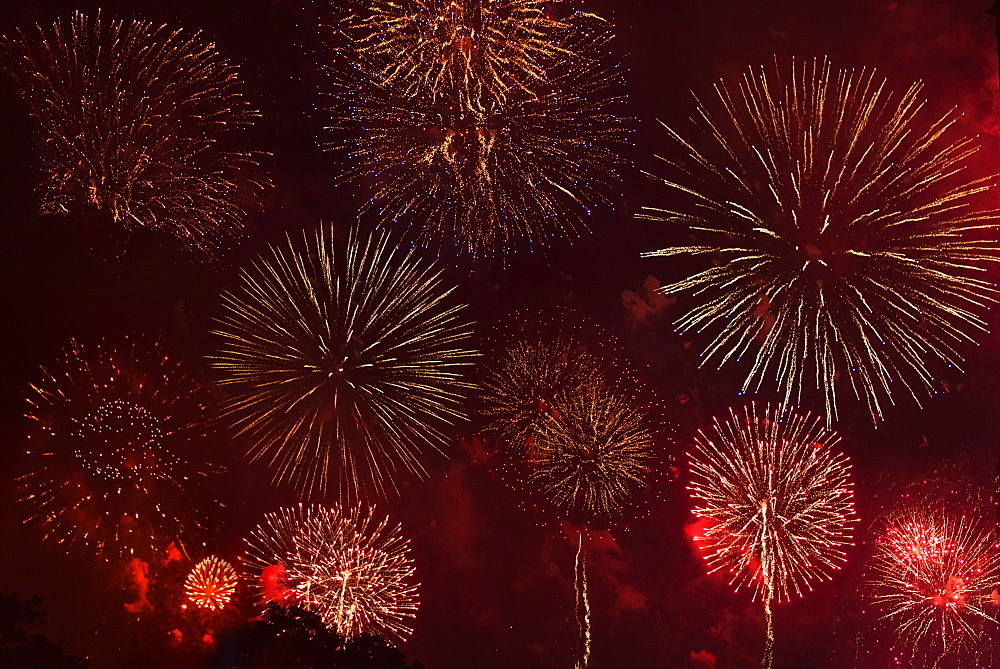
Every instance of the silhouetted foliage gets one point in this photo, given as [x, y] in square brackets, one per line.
[20, 648]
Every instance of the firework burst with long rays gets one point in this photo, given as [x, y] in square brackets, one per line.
[484, 165]
[351, 568]
[211, 583]
[935, 576]
[345, 363]
[777, 501]
[155, 153]
[844, 238]
[117, 423]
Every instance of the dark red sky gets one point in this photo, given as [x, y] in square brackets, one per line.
[496, 587]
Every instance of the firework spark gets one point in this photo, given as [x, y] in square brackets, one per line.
[486, 166]
[524, 384]
[345, 364]
[935, 577]
[592, 457]
[777, 499]
[149, 153]
[348, 567]
[845, 236]
[116, 422]
[211, 583]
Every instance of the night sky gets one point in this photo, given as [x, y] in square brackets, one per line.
[497, 581]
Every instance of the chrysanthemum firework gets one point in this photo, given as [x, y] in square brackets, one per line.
[776, 500]
[344, 363]
[138, 121]
[351, 568]
[845, 241]
[118, 449]
[211, 583]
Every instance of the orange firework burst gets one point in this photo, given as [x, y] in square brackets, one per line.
[839, 234]
[935, 577]
[211, 583]
[777, 500]
[150, 153]
[115, 469]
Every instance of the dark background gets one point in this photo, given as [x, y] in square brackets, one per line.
[497, 583]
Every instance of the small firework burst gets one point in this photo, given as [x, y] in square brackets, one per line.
[211, 583]
[116, 422]
[593, 456]
[150, 153]
[345, 364]
[935, 577]
[778, 502]
[349, 567]
[845, 240]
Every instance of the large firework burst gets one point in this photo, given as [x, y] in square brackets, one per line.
[344, 364]
[777, 501]
[151, 153]
[116, 471]
[484, 165]
[935, 576]
[345, 565]
[845, 237]
[211, 583]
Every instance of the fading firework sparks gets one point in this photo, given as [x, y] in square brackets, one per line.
[935, 576]
[488, 158]
[345, 363]
[845, 237]
[778, 501]
[151, 153]
[115, 472]
[345, 565]
[211, 583]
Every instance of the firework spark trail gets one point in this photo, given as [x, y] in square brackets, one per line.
[582, 602]
[486, 167]
[345, 363]
[116, 422]
[778, 500]
[935, 575]
[211, 583]
[151, 153]
[347, 566]
[846, 238]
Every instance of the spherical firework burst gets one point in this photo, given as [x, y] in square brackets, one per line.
[592, 456]
[117, 423]
[935, 576]
[777, 500]
[347, 566]
[522, 386]
[211, 583]
[845, 237]
[344, 364]
[151, 153]
[484, 166]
